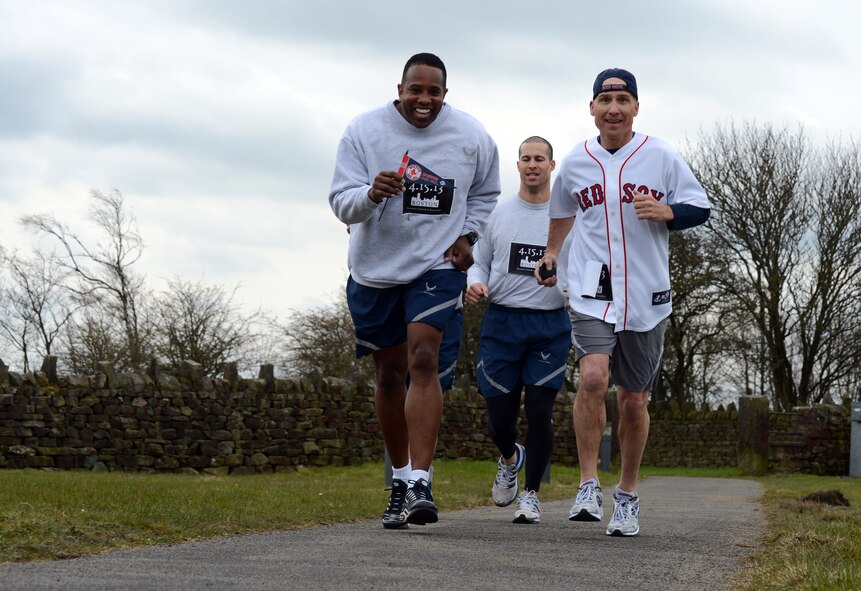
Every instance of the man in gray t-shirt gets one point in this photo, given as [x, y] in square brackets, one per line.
[525, 334]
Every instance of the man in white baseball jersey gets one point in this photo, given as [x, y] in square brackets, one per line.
[627, 191]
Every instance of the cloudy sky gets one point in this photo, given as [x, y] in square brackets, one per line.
[219, 121]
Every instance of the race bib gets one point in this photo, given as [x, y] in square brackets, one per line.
[523, 258]
[426, 192]
[423, 198]
[595, 282]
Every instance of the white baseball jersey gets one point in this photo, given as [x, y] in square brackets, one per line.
[618, 265]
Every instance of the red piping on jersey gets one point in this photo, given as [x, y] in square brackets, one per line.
[606, 219]
[624, 241]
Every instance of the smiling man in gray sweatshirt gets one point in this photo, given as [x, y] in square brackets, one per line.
[416, 181]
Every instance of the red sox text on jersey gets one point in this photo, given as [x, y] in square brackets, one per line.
[594, 195]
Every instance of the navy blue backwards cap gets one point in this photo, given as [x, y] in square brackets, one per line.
[630, 83]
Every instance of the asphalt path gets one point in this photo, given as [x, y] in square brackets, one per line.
[694, 534]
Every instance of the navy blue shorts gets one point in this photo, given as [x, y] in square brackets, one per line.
[522, 347]
[449, 349]
[381, 315]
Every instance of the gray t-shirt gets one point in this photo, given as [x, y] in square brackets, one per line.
[506, 256]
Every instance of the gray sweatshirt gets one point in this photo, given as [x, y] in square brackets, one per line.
[396, 244]
[505, 258]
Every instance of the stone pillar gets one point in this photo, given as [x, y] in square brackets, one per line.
[192, 371]
[753, 435]
[230, 372]
[106, 368]
[49, 368]
[267, 374]
[153, 370]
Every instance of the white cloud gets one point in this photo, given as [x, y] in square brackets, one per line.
[219, 122]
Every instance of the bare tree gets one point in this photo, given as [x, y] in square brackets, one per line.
[91, 337]
[15, 331]
[323, 339]
[791, 247]
[104, 269]
[694, 341]
[202, 323]
[828, 294]
[34, 308]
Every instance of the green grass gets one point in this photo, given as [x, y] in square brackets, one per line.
[53, 514]
[49, 515]
[808, 546]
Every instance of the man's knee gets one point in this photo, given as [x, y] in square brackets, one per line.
[390, 368]
[424, 342]
[633, 406]
[593, 383]
[424, 361]
[594, 375]
[391, 382]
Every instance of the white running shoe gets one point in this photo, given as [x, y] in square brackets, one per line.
[588, 503]
[528, 508]
[625, 520]
[505, 485]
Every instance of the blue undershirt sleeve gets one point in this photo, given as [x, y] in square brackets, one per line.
[687, 216]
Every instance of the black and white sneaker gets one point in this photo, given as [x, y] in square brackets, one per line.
[505, 486]
[421, 509]
[395, 515]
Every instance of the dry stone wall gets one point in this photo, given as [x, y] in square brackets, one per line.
[810, 440]
[231, 425]
[692, 437]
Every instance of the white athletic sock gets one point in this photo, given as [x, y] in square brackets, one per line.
[416, 474]
[593, 480]
[621, 492]
[402, 473]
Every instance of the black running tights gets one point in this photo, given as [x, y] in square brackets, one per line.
[503, 413]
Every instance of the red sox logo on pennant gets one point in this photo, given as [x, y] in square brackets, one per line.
[413, 172]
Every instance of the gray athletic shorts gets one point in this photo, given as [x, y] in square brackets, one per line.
[635, 357]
